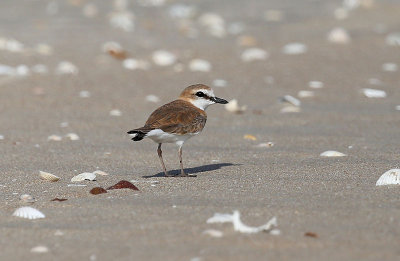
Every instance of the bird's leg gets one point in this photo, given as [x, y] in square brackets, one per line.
[183, 174]
[161, 159]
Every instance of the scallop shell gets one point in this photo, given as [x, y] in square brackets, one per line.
[48, 176]
[390, 177]
[84, 176]
[28, 212]
[332, 153]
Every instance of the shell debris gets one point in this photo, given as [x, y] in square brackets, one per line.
[290, 109]
[115, 113]
[182, 11]
[72, 136]
[254, 54]
[84, 176]
[84, 94]
[101, 173]
[373, 93]
[54, 138]
[48, 176]
[294, 48]
[213, 233]
[233, 106]
[28, 212]
[214, 24]
[152, 98]
[200, 65]
[123, 20]
[66, 67]
[1, 137]
[249, 137]
[332, 153]
[315, 84]
[40, 249]
[27, 198]
[219, 83]
[133, 64]
[265, 145]
[163, 58]
[390, 177]
[393, 39]
[339, 35]
[114, 49]
[291, 100]
[305, 94]
[390, 67]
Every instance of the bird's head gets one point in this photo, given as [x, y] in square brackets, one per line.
[201, 96]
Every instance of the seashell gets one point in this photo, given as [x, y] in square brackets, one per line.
[66, 67]
[397, 109]
[233, 106]
[306, 94]
[273, 15]
[249, 137]
[265, 145]
[254, 54]
[84, 176]
[13, 46]
[114, 49]
[294, 48]
[22, 70]
[1, 137]
[97, 190]
[199, 65]
[123, 20]
[389, 67]
[152, 98]
[373, 93]
[54, 138]
[390, 177]
[123, 184]
[133, 64]
[238, 224]
[40, 68]
[315, 84]
[7, 70]
[332, 153]
[292, 100]
[393, 39]
[84, 94]
[290, 109]
[214, 24]
[72, 136]
[100, 172]
[48, 176]
[28, 212]
[219, 83]
[76, 185]
[115, 112]
[339, 35]
[27, 198]
[59, 199]
[213, 233]
[40, 249]
[163, 58]
[182, 11]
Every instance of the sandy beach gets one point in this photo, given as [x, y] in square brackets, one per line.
[86, 70]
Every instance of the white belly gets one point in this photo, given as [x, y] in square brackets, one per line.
[159, 136]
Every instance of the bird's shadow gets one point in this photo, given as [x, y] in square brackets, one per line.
[204, 168]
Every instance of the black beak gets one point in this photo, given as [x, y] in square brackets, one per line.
[219, 100]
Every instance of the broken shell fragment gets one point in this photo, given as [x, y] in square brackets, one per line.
[114, 49]
[100, 172]
[48, 176]
[373, 93]
[115, 113]
[393, 39]
[339, 35]
[292, 100]
[254, 54]
[54, 138]
[97, 190]
[28, 212]
[213, 233]
[163, 58]
[199, 65]
[27, 198]
[66, 67]
[390, 67]
[290, 109]
[305, 94]
[40, 249]
[315, 84]
[234, 107]
[332, 153]
[249, 137]
[72, 136]
[152, 98]
[122, 185]
[84, 176]
[219, 83]
[294, 48]
[390, 177]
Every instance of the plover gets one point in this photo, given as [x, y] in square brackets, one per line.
[179, 120]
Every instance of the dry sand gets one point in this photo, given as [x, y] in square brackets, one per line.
[336, 198]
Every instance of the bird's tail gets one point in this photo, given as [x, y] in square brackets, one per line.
[138, 134]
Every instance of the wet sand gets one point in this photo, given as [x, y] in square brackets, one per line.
[336, 198]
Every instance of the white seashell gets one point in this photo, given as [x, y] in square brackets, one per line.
[332, 153]
[1, 137]
[22, 70]
[389, 67]
[133, 64]
[152, 98]
[27, 198]
[290, 109]
[66, 67]
[84, 176]
[238, 224]
[275, 232]
[84, 94]
[254, 54]
[390, 177]
[292, 100]
[7, 70]
[90, 10]
[14, 46]
[123, 20]
[182, 11]
[163, 58]
[234, 107]
[28, 212]
[219, 83]
[397, 109]
[373, 93]
[339, 35]
[265, 145]
[214, 24]
[273, 15]
[115, 112]
[294, 48]
[54, 138]
[315, 84]
[199, 65]
[306, 94]
[213, 233]
[393, 39]
[72, 136]
[100, 172]
[112, 47]
[40, 68]
[44, 49]
[48, 176]
[40, 249]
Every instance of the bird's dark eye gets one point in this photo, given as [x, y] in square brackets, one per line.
[200, 94]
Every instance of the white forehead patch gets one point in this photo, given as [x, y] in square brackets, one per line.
[202, 103]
